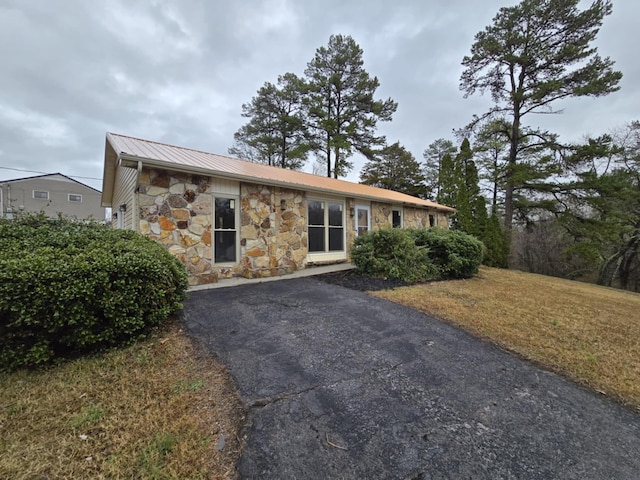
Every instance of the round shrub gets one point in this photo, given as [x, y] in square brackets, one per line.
[456, 254]
[391, 253]
[68, 288]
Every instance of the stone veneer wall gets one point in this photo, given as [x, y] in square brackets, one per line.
[274, 230]
[176, 211]
[380, 215]
[419, 218]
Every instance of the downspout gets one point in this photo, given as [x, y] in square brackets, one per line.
[9, 209]
[135, 220]
[1, 200]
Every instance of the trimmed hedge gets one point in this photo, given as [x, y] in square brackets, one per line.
[455, 253]
[417, 255]
[391, 253]
[68, 288]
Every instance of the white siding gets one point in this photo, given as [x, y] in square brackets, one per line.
[123, 194]
[226, 187]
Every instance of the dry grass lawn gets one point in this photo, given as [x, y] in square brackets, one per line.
[586, 332]
[156, 410]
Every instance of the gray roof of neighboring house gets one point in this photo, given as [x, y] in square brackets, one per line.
[43, 176]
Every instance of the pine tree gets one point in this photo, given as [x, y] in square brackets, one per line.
[394, 168]
[341, 109]
[534, 54]
[276, 133]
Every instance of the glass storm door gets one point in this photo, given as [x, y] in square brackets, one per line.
[363, 219]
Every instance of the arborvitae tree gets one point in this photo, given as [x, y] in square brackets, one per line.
[394, 168]
[341, 108]
[496, 245]
[459, 188]
[464, 196]
[534, 54]
[433, 155]
[448, 181]
[276, 133]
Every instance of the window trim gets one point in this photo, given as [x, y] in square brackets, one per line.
[237, 229]
[69, 195]
[328, 255]
[40, 198]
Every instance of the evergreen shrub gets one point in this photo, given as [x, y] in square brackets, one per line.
[456, 254]
[392, 253]
[69, 288]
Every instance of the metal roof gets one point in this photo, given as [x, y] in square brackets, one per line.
[181, 159]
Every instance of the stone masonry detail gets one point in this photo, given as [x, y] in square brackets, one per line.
[176, 211]
[418, 218]
[274, 231]
[380, 215]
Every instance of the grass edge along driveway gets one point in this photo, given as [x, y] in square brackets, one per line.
[588, 333]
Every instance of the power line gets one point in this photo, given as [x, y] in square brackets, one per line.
[48, 173]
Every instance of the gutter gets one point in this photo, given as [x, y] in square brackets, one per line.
[134, 159]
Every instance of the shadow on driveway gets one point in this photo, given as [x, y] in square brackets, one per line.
[341, 385]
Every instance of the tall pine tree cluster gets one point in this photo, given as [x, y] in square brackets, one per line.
[331, 112]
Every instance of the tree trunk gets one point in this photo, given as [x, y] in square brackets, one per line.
[629, 255]
[513, 158]
[328, 134]
[494, 199]
[328, 155]
[608, 270]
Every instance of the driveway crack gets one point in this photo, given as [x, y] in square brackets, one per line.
[264, 401]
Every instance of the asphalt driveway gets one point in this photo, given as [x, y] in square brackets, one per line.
[341, 385]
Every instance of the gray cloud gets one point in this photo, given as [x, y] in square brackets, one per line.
[179, 71]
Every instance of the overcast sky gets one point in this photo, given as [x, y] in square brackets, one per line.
[178, 71]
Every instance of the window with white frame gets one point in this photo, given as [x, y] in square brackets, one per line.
[396, 220]
[74, 198]
[363, 219]
[325, 226]
[41, 195]
[225, 241]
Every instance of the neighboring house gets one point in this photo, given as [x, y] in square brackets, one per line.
[51, 194]
[225, 217]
